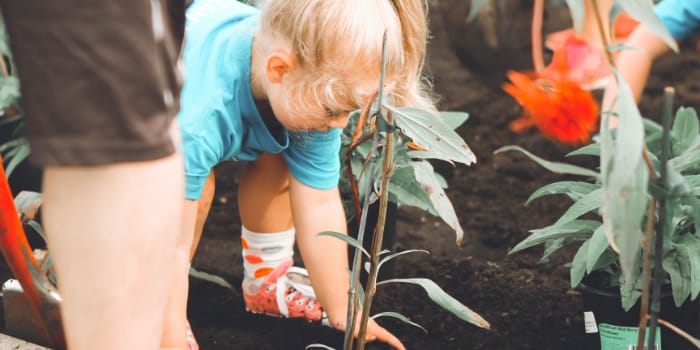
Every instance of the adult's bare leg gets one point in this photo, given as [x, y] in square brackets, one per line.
[113, 232]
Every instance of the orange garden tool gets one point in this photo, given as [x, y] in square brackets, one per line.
[39, 291]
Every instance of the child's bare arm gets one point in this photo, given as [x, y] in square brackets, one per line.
[634, 63]
[325, 257]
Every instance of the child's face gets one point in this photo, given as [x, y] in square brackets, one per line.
[312, 114]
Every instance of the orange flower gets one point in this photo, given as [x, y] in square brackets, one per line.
[561, 109]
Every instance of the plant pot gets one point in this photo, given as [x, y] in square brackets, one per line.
[609, 327]
[387, 270]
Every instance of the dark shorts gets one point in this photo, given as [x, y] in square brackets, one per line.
[98, 78]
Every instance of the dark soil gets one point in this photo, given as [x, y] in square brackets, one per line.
[529, 305]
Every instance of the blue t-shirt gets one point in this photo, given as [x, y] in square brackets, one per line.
[218, 116]
[681, 17]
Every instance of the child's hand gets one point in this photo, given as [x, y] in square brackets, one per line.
[374, 332]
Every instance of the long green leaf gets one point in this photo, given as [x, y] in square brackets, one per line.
[577, 229]
[432, 134]
[689, 159]
[399, 317]
[21, 154]
[590, 202]
[685, 129]
[677, 264]
[592, 149]
[596, 246]
[694, 182]
[345, 238]
[625, 178]
[559, 168]
[692, 245]
[9, 91]
[573, 189]
[444, 300]
[578, 265]
[630, 288]
[209, 278]
[395, 255]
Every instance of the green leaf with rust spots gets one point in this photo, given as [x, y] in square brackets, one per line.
[425, 175]
[432, 134]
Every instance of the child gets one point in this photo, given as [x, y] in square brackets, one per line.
[681, 18]
[274, 87]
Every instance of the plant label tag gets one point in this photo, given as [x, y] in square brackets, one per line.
[614, 337]
[589, 322]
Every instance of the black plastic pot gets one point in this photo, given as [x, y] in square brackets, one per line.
[387, 270]
[609, 327]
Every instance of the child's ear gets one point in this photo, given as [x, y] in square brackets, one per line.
[278, 63]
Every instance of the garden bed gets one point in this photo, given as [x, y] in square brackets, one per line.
[529, 305]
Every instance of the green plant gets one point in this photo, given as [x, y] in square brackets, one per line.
[645, 193]
[401, 140]
[414, 181]
[14, 148]
[681, 254]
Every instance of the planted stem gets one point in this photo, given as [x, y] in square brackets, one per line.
[646, 274]
[357, 256]
[371, 286]
[379, 229]
[536, 32]
[646, 248]
[646, 244]
[680, 332]
[658, 249]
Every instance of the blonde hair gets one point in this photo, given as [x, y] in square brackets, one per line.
[333, 39]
